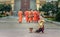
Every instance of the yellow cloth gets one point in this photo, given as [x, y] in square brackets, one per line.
[41, 25]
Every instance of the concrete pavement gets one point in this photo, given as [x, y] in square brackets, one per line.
[9, 27]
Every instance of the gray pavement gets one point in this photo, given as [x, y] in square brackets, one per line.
[9, 27]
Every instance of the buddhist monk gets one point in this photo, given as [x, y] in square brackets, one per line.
[35, 16]
[26, 15]
[30, 16]
[20, 16]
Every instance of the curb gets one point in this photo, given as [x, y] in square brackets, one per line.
[58, 23]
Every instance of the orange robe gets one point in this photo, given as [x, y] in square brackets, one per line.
[26, 16]
[30, 16]
[20, 16]
[35, 16]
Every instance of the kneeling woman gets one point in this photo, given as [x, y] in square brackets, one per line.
[40, 25]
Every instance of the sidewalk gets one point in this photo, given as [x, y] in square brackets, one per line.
[58, 23]
[8, 19]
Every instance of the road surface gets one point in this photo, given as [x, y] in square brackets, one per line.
[9, 27]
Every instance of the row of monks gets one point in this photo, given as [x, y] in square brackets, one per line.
[30, 16]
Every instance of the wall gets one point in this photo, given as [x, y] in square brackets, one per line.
[33, 4]
[17, 5]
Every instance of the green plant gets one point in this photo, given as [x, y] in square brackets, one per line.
[1, 8]
[57, 18]
[1, 15]
[7, 8]
[48, 7]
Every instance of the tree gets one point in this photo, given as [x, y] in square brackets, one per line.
[57, 18]
[48, 7]
[1, 7]
[58, 4]
[4, 7]
[59, 0]
[7, 8]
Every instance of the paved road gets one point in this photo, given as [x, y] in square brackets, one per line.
[9, 27]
